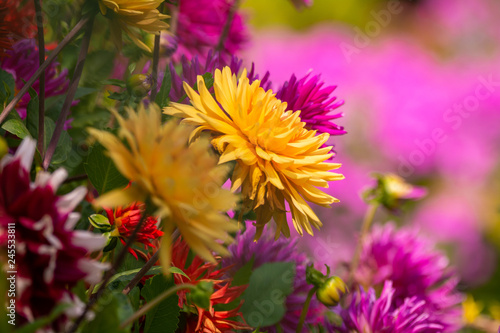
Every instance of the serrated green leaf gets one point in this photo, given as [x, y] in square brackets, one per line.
[109, 311]
[16, 127]
[166, 84]
[163, 318]
[102, 172]
[264, 299]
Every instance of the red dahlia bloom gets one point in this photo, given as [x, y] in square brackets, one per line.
[208, 320]
[126, 219]
[16, 22]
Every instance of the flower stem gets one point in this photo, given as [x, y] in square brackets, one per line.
[305, 309]
[154, 73]
[41, 60]
[151, 262]
[73, 86]
[227, 26]
[367, 222]
[69, 37]
[142, 311]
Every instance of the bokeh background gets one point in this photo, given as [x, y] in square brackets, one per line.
[421, 86]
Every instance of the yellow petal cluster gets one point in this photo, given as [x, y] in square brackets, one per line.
[136, 14]
[278, 160]
[183, 181]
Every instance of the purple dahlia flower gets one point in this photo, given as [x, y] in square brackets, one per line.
[22, 62]
[194, 67]
[266, 250]
[415, 269]
[315, 101]
[369, 313]
[51, 257]
[200, 24]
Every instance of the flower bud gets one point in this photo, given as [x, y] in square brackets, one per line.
[392, 191]
[201, 294]
[331, 291]
[139, 85]
[4, 148]
[100, 222]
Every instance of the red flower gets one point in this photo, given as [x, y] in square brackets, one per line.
[207, 320]
[126, 220]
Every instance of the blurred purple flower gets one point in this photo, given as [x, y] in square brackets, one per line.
[200, 24]
[315, 101]
[266, 250]
[50, 255]
[300, 4]
[22, 62]
[367, 313]
[415, 269]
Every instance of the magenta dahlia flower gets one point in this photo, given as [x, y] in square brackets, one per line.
[200, 24]
[315, 101]
[266, 250]
[22, 62]
[367, 313]
[194, 67]
[415, 269]
[50, 256]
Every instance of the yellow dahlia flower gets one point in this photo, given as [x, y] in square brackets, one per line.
[183, 182]
[277, 158]
[133, 13]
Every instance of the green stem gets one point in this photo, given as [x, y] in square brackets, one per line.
[154, 73]
[142, 311]
[305, 309]
[367, 222]
[69, 37]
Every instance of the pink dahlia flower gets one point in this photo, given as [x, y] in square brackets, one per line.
[50, 256]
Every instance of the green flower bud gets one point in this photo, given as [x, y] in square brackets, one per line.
[330, 292]
[112, 241]
[100, 222]
[139, 85]
[201, 294]
[4, 148]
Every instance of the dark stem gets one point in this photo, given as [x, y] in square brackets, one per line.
[42, 68]
[154, 74]
[151, 262]
[73, 86]
[109, 274]
[227, 26]
[41, 59]
[76, 178]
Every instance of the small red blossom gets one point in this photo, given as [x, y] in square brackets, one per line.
[126, 219]
[207, 320]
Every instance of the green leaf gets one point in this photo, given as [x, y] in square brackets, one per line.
[63, 147]
[109, 313]
[166, 84]
[44, 321]
[16, 127]
[7, 87]
[163, 318]
[32, 114]
[102, 172]
[266, 293]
